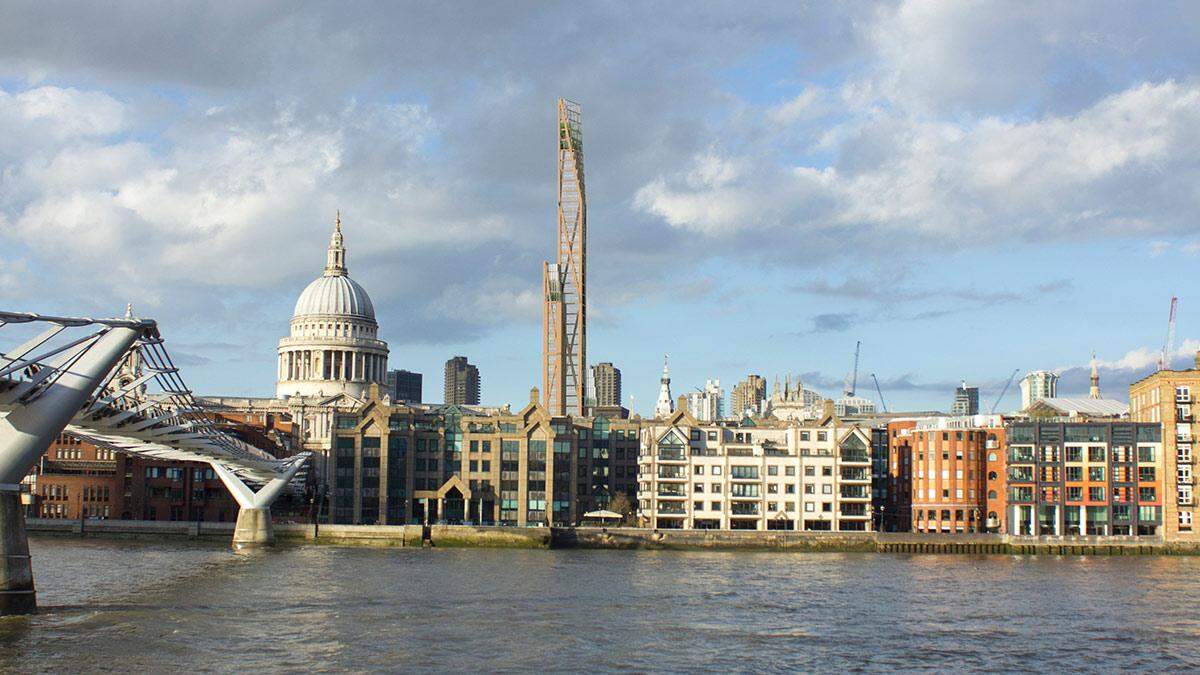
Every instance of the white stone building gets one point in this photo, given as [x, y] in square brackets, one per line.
[333, 347]
[766, 476]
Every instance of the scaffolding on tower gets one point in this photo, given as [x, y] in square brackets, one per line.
[564, 281]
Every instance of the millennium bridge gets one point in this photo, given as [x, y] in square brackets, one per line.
[112, 383]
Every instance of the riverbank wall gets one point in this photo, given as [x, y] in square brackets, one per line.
[627, 538]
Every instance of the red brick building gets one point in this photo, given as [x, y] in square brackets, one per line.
[957, 474]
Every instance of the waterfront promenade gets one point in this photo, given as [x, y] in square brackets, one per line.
[466, 536]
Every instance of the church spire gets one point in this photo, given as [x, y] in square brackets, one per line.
[664, 407]
[335, 259]
[1094, 390]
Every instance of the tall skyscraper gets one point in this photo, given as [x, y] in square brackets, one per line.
[966, 401]
[564, 281]
[748, 395]
[605, 388]
[404, 385]
[1038, 385]
[462, 382]
[664, 406]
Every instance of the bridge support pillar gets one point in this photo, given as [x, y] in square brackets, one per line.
[17, 595]
[253, 529]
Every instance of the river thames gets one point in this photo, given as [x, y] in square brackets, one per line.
[154, 607]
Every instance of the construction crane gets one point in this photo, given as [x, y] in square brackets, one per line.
[852, 379]
[1164, 361]
[1004, 390]
[879, 391]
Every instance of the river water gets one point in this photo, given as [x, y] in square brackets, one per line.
[173, 606]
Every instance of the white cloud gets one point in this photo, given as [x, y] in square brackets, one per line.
[1106, 171]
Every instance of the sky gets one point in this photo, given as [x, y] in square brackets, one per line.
[967, 188]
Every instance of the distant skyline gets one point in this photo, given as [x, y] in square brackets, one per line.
[968, 189]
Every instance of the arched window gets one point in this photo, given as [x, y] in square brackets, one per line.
[991, 515]
[991, 475]
[991, 495]
[991, 456]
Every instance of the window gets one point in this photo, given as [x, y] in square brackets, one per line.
[1096, 494]
[716, 488]
[810, 489]
[1075, 473]
[810, 471]
[827, 507]
[697, 487]
[808, 507]
[1096, 473]
[772, 470]
[791, 488]
[827, 471]
[716, 471]
[743, 472]
[698, 470]
[827, 489]
[789, 471]
[697, 506]
[716, 506]
[773, 488]
[712, 435]
[822, 435]
[1074, 494]
[1096, 454]
[804, 436]
[1146, 494]
[1074, 454]
[991, 456]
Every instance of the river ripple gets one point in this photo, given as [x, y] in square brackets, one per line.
[169, 606]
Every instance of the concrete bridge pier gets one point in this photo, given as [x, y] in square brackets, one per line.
[17, 595]
[253, 529]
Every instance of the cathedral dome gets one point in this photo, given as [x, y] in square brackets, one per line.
[335, 295]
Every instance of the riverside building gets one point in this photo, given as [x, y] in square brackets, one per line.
[1084, 478]
[956, 468]
[398, 464]
[768, 475]
[1168, 397]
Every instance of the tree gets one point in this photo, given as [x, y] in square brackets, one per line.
[620, 503]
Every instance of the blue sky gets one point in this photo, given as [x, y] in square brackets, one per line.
[966, 189]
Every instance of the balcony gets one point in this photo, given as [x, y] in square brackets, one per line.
[743, 509]
[856, 492]
[855, 474]
[671, 509]
[855, 457]
[671, 455]
[673, 472]
[854, 511]
[671, 490]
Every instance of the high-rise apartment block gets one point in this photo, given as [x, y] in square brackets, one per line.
[605, 386]
[1168, 399]
[747, 396]
[404, 385]
[706, 404]
[462, 382]
[1038, 385]
[564, 281]
[966, 400]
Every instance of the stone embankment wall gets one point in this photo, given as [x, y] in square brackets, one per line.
[451, 536]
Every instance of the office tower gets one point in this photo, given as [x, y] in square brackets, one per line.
[404, 385]
[748, 396]
[966, 401]
[1038, 385]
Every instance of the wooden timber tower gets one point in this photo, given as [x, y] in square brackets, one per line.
[564, 281]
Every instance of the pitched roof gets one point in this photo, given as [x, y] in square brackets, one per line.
[1084, 406]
